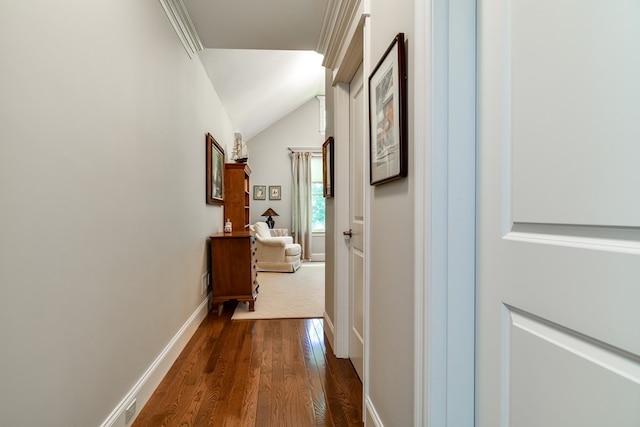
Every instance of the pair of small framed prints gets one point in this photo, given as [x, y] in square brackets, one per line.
[260, 192]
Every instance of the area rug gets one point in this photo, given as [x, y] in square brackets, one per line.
[288, 295]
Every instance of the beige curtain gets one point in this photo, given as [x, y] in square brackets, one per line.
[301, 203]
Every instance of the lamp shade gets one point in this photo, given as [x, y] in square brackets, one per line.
[270, 212]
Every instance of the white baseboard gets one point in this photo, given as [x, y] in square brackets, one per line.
[371, 417]
[149, 381]
[328, 329]
[317, 257]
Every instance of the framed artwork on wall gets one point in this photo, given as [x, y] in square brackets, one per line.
[388, 115]
[259, 192]
[274, 192]
[215, 172]
[327, 167]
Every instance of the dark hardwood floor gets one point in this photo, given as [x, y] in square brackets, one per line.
[256, 373]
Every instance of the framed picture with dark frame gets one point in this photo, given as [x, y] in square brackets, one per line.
[274, 192]
[215, 172]
[327, 167]
[259, 192]
[388, 115]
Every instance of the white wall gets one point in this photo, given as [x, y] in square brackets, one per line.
[270, 161]
[391, 317]
[330, 241]
[102, 192]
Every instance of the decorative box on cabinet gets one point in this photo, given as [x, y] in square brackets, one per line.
[237, 195]
[233, 268]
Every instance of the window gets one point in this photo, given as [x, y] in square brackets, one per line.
[317, 199]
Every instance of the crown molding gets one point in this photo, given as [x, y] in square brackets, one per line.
[328, 22]
[181, 21]
[337, 21]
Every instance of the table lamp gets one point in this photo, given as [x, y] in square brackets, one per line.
[269, 213]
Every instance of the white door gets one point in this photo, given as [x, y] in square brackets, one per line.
[558, 241]
[356, 222]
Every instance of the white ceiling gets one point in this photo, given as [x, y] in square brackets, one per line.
[258, 55]
[258, 87]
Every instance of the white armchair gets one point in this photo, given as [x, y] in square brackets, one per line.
[277, 253]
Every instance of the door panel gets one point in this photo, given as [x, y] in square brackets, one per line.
[565, 83]
[571, 366]
[558, 227]
[356, 222]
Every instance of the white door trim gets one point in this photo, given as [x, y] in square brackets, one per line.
[347, 65]
[444, 127]
[421, 124]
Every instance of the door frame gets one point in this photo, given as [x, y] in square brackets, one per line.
[347, 68]
[445, 174]
[348, 65]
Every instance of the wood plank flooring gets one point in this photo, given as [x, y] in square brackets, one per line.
[267, 373]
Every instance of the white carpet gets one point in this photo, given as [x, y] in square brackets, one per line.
[288, 295]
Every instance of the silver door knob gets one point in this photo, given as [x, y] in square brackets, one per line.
[347, 233]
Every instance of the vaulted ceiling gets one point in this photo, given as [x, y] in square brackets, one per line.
[259, 56]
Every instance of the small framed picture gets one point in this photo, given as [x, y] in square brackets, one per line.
[274, 192]
[327, 167]
[259, 192]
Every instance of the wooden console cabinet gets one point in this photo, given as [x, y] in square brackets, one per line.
[233, 268]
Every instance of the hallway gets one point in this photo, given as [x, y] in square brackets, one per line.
[256, 373]
[104, 171]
